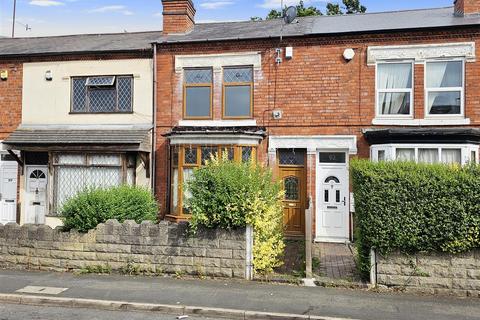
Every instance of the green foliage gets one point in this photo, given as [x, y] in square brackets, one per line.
[231, 195]
[97, 269]
[93, 206]
[350, 7]
[415, 207]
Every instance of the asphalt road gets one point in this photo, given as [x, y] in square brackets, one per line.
[23, 312]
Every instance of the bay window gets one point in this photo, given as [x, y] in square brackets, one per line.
[444, 88]
[394, 89]
[74, 172]
[426, 153]
[185, 159]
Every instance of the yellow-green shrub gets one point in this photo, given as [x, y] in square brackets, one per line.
[231, 195]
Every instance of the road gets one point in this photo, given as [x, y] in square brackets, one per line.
[23, 312]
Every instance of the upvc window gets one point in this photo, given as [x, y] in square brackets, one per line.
[102, 94]
[198, 93]
[185, 159]
[73, 172]
[444, 88]
[394, 86]
[237, 92]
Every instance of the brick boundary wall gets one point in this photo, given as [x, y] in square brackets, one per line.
[437, 273]
[151, 248]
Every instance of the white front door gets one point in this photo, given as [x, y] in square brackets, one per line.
[36, 194]
[332, 197]
[8, 189]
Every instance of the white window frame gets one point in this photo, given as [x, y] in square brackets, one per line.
[390, 150]
[378, 91]
[427, 90]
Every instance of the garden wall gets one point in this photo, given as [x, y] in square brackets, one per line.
[432, 273]
[128, 247]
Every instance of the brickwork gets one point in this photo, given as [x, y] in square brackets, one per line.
[432, 273]
[178, 16]
[318, 91]
[10, 98]
[156, 248]
[465, 7]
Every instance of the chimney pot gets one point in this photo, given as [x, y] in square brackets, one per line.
[178, 16]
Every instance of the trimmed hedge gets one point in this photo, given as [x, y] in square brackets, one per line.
[413, 207]
[230, 195]
[93, 206]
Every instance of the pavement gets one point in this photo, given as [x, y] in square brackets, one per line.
[336, 260]
[237, 295]
[22, 312]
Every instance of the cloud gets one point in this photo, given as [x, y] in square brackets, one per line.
[215, 4]
[46, 3]
[114, 8]
[274, 4]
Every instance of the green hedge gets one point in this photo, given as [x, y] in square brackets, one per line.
[93, 206]
[415, 207]
[230, 195]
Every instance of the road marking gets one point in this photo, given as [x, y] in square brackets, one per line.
[42, 290]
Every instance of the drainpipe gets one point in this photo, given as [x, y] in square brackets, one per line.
[154, 122]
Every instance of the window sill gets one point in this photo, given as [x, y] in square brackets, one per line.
[218, 123]
[421, 122]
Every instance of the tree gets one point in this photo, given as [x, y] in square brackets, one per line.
[350, 7]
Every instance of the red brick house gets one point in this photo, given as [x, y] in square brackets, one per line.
[303, 98]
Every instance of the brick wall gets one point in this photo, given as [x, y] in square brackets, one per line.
[10, 98]
[432, 273]
[465, 7]
[318, 91]
[156, 248]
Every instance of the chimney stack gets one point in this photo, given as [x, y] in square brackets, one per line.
[178, 16]
[467, 7]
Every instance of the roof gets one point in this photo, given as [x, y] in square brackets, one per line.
[325, 25]
[69, 139]
[422, 135]
[84, 43]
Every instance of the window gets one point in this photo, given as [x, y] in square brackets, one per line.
[332, 157]
[184, 161]
[430, 155]
[444, 88]
[198, 94]
[75, 172]
[291, 157]
[103, 94]
[394, 89]
[237, 92]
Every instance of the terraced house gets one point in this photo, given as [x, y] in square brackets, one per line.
[301, 98]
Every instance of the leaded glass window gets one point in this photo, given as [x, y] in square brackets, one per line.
[198, 93]
[237, 92]
[103, 94]
[291, 188]
[291, 157]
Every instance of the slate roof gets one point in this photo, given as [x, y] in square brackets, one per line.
[137, 139]
[325, 25]
[84, 43]
[304, 26]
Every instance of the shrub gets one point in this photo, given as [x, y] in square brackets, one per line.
[231, 195]
[408, 207]
[93, 206]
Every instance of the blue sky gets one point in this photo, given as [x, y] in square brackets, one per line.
[58, 17]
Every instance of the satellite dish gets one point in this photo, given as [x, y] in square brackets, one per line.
[290, 14]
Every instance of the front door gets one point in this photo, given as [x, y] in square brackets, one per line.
[36, 194]
[292, 173]
[8, 189]
[333, 197]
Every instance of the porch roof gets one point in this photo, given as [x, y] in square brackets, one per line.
[71, 139]
[248, 135]
[422, 135]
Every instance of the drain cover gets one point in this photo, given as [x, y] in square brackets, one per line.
[42, 290]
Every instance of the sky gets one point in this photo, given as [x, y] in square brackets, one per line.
[60, 17]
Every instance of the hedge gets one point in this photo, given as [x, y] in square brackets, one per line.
[408, 207]
[93, 206]
[231, 195]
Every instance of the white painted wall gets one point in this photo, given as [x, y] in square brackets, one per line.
[48, 102]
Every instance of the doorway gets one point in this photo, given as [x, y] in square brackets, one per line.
[8, 189]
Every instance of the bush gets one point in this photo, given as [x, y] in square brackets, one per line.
[93, 206]
[231, 195]
[408, 207]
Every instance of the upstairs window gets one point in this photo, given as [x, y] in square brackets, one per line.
[102, 94]
[198, 94]
[444, 88]
[237, 92]
[394, 89]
